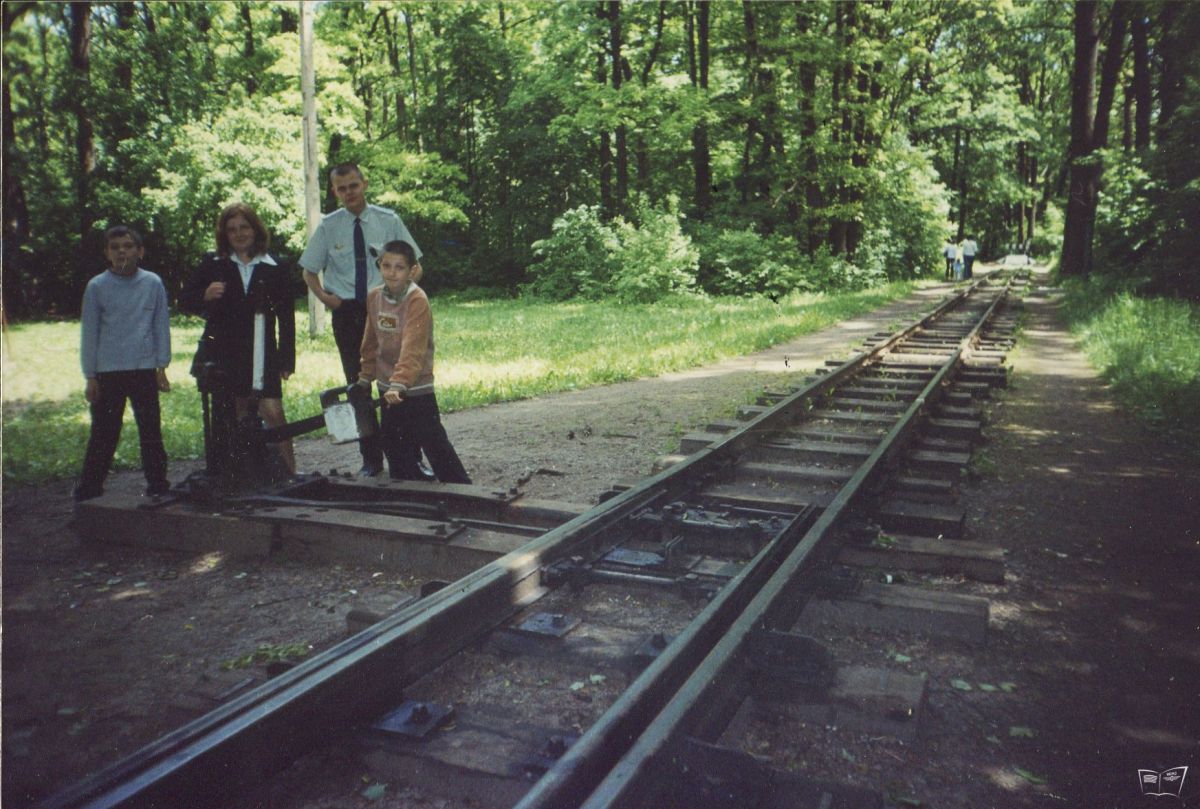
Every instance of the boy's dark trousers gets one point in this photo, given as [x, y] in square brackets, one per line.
[416, 422]
[108, 411]
[349, 322]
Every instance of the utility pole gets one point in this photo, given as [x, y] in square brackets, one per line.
[312, 188]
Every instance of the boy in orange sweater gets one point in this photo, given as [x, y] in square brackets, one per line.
[397, 354]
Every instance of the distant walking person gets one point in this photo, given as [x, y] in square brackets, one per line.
[125, 349]
[949, 251]
[969, 249]
[339, 247]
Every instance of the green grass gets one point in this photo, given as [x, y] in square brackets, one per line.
[1146, 348]
[487, 351]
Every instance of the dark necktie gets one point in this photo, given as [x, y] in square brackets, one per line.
[360, 262]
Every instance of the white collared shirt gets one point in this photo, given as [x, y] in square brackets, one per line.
[247, 269]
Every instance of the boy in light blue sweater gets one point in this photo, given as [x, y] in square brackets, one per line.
[125, 350]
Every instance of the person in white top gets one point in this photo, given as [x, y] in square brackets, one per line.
[969, 249]
[339, 247]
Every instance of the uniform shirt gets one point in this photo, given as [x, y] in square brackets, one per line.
[331, 247]
[125, 324]
[397, 346]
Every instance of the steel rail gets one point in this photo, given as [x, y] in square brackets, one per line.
[235, 746]
[611, 764]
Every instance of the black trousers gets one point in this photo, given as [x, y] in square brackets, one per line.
[108, 411]
[417, 424]
[349, 322]
[949, 269]
[968, 262]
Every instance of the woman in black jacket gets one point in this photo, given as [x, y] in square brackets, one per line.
[228, 289]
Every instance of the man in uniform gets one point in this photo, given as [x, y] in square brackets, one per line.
[339, 247]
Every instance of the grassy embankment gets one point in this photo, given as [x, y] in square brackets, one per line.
[1148, 349]
[488, 351]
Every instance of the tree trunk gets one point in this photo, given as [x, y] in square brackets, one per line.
[85, 146]
[963, 186]
[1114, 54]
[607, 204]
[16, 211]
[312, 182]
[1141, 79]
[1076, 252]
[807, 75]
[1172, 57]
[248, 48]
[641, 148]
[412, 71]
[698, 53]
[839, 134]
[618, 71]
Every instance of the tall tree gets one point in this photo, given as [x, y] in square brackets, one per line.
[1089, 129]
[698, 62]
[85, 144]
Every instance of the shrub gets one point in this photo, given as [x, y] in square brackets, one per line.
[743, 262]
[585, 257]
[577, 259]
[656, 257]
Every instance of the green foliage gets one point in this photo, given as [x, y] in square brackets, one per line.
[268, 653]
[250, 153]
[655, 258]
[586, 257]
[1125, 223]
[488, 351]
[745, 262]
[905, 217]
[578, 259]
[1146, 349]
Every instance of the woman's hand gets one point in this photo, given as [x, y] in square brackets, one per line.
[160, 376]
[393, 397]
[214, 292]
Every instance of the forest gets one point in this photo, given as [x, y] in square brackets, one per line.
[614, 149]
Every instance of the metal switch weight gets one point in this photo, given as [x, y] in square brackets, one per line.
[347, 415]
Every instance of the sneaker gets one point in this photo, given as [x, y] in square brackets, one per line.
[370, 470]
[158, 489]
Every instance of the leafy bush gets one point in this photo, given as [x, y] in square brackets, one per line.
[576, 259]
[743, 262]
[656, 257]
[904, 216]
[827, 272]
[1047, 238]
[586, 257]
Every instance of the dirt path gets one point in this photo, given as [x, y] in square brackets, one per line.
[105, 649]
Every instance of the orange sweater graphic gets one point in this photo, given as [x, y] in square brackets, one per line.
[397, 346]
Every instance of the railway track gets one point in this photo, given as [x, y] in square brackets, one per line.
[759, 526]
